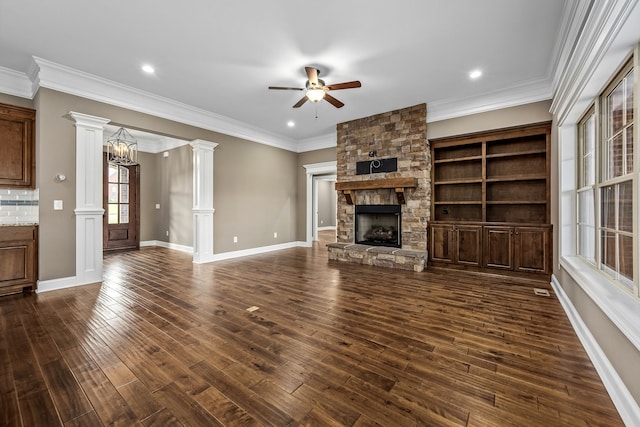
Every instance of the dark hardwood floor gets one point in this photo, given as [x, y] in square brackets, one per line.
[166, 342]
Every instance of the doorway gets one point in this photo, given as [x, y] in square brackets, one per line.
[314, 170]
[121, 224]
[325, 200]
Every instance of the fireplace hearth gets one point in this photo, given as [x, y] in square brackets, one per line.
[378, 225]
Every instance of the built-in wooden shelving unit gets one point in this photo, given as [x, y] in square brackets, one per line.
[491, 199]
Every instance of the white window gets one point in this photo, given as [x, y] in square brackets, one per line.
[604, 197]
[586, 187]
[616, 181]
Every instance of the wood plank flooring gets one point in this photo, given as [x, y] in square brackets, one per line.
[166, 342]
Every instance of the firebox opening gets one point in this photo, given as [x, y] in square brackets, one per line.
[378, 225]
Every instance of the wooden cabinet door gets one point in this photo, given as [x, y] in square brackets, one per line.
[498, 247]
[532, 246]
[469, 245]
[18, 258]
[17, 147]
[441, 242]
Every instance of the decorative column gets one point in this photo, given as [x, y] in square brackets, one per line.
[89, 211]
[203, 200]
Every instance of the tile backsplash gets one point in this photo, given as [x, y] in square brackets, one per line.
[19, 206]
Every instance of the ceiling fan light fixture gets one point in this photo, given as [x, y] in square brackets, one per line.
[315, 94]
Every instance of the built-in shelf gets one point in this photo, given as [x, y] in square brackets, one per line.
[515, 153]
[458, 181]
[461, 159]
[490, 207]
[398, 184]
[459, 202]
[528, 177]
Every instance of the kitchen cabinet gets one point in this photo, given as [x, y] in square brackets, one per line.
[18, 259]
[17, 145]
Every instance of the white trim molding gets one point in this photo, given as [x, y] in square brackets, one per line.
[604, 37]
[89, 211]
[203, 200]
[324, 168]
[174, 246]
[68, 80]
[622, 399]
[255, 251]
[15, 83]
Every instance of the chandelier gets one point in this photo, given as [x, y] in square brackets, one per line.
[122, 148]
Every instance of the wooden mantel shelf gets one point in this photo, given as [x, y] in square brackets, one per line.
[399, 184]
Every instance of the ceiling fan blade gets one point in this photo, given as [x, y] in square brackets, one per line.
[302, 101]
[333, 101]
[346, 85]
[285, 88]
[312, 75]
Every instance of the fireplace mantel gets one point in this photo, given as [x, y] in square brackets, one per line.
[399, 184]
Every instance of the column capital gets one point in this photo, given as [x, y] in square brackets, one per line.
[201, 144]
[88, 121]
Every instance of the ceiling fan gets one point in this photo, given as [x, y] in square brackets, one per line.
[317, 90]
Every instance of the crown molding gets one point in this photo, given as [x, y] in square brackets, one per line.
[317, 143]
[68, 80]
[603, 36]
[534, 91]
[15, 83]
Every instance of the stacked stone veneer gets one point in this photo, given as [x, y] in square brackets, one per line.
[401, 134]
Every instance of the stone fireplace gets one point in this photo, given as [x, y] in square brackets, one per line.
[397, 138]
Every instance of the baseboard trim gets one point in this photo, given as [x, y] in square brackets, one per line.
[253, 251]
[57, 284]
[622, 399]
[181, 248]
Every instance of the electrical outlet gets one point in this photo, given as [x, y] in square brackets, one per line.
[235, 239]
[167, 233]
[275, 234]
[57, 205]
[157, 205]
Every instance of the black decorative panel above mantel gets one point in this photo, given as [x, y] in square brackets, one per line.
[377, 166]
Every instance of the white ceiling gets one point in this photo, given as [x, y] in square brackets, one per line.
[220, 56]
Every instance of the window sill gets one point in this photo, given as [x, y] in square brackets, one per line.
[620, 307]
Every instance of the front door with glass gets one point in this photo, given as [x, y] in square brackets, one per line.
[121, 220]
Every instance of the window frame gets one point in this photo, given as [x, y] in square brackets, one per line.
[598, 110]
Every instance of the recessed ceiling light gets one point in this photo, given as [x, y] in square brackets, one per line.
[475, 74]
[290, 123]
[148, 69]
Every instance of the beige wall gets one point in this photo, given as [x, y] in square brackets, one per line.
[15, 100]
[148, 196]
[327, 201]
[255, 191]
[254, 196]
[174, 193]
